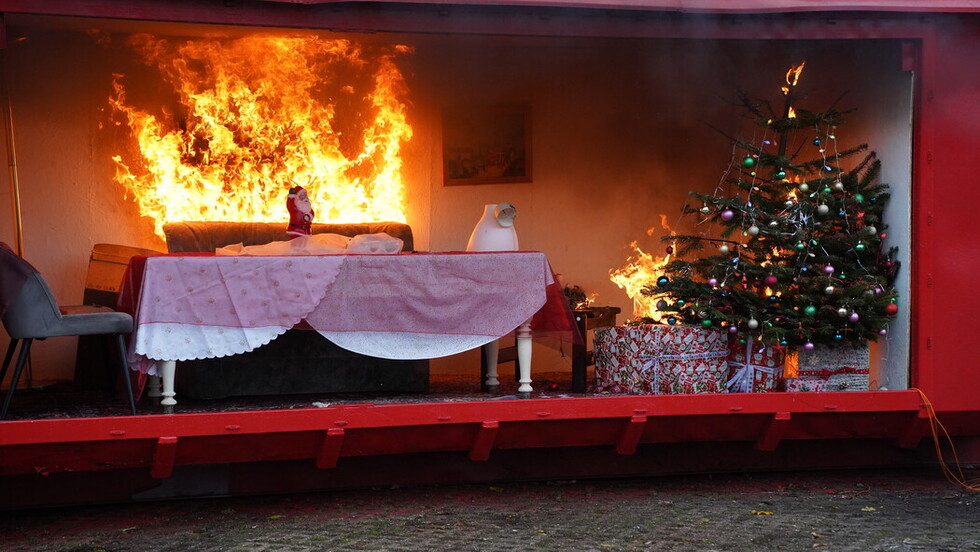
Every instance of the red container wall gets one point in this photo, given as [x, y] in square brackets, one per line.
[946, 257]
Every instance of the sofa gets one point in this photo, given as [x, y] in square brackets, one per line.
[300, 361]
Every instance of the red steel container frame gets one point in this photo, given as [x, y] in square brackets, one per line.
[140, 452]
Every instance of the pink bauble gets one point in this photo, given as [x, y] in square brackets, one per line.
[808, 346]
[727, 215]
[771, 280]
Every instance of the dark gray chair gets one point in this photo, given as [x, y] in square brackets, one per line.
[29, 311]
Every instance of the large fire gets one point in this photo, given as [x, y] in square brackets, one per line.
[639, 272]
[259, 114]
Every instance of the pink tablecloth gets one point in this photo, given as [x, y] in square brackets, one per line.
[395, 306]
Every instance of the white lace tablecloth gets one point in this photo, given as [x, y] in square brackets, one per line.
[407, 306]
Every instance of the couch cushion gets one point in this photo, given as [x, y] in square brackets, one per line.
[197, 237]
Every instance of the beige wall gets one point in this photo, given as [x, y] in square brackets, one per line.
[619, 135]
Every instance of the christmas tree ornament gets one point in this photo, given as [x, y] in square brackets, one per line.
[748, 162]
[809, 346]
[829, 290]
[891, 309]
[705, 210]
[780, 174]
[838, 337]
[727, 215]
[670, 250]
[871, 230]
[859, 247]
[842, 312]
[752, 324]
[679, 303]
[827, 190]
[804, 187]
[706, 323]
[822, 209]
[854, 317]
[671, 320]
[661, 305]
[839, 186]
[773, 223]
[883, 332]
[713, 282]
[816, 141]
[771, 280]
[859, 198]
[788, 204]
[662, 281]
[800, 246]
[753, 230]
[723, 249]
[733, 329]
[810, 310]
[828, 269]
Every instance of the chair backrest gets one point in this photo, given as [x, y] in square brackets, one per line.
[30, 309]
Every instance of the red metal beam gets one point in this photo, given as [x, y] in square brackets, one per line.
[162, 442]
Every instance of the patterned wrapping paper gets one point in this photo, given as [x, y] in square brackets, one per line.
[660, 360]
[827, 368]
[754, 367]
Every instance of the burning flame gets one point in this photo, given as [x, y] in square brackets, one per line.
[792, 77]
[260, 114]
[640, 271]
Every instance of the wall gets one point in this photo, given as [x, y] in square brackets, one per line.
[620, 134]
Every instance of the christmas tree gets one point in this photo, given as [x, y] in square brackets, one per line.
[789, 249]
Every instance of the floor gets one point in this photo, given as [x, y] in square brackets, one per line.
[65, 400]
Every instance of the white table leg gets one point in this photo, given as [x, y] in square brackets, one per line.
[524, 356]
[492, 352]
[167, 369]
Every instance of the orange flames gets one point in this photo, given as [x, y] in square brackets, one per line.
[640, 271]
[792, 77]
[260, 114]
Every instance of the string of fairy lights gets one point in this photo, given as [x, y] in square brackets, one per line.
[796, 219]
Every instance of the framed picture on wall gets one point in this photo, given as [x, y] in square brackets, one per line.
[486, 145]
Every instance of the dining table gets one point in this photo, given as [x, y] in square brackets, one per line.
[404, 306]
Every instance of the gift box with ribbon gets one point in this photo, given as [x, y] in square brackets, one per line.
[827, 368]
[661, 360]
[754, 367]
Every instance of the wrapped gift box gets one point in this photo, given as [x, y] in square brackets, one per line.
[755, 368]
[660, 360]
[828, 368]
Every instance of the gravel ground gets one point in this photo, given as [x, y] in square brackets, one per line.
[840, 510]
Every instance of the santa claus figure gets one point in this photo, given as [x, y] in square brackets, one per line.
[300, 212]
